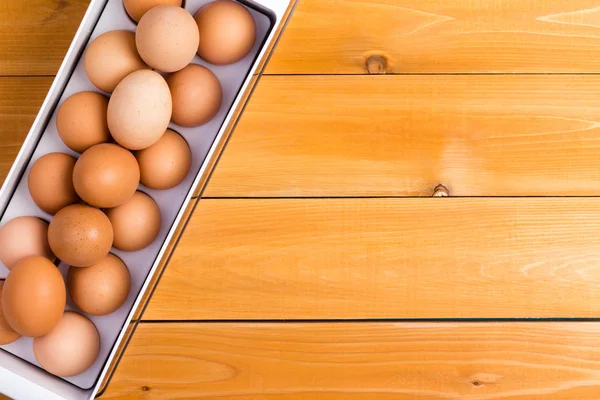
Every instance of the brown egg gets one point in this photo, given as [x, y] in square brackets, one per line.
[136, 223]
[106, 175]
[101, 288]
[167, 38]
[22, 237]
[196, 94]
[140, 110]
[50, 182]
[137, 8]
[80, 235]
[33, 296]
[7, 334]
[166, 163]
[71, 348]
[227, 32]
[110, 58]
[81, 121]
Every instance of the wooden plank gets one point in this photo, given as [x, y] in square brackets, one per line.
[440, 36]
[518, 361]
[403, 135]
[391, 136]
[385, 258]
[35, 34]
[20, 100]
[354, 37]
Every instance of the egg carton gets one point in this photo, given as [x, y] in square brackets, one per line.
[21, 377]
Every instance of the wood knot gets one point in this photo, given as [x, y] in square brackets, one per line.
[441, 191]
[481, 379]
[145, 389]
[377, 65]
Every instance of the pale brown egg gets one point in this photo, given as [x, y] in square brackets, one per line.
[33, 296]
[166, 163]
[110, 58]
[197, 95]
[140, 110]
[7, 334]
[167, 38]
[137, 8]
[22, 237]
[50, 182]
[102, 288]
[227, 32]
[80, 235]
[135, 223]
[71, 348]
[81, 121]
[106, 175]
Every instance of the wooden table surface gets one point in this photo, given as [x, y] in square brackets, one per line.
[320, 267]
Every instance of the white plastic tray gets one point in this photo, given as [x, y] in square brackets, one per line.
[200, 140]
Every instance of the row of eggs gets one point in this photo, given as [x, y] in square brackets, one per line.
[94, 199]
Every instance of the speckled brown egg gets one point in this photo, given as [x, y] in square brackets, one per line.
[140, 110]
[106, 175]
[167, 38]
[81, 121]
[135, 223]
[110, 58]
[71, 348]
[80, 235]
[227, 32]
[197, 95]
[166, 163]
[22, 237]
[33, 296]
[50, 182]
[7, 334]
[137, 8]
[102, 288]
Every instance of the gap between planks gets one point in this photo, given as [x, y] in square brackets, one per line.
[391, 74]
[364, 320]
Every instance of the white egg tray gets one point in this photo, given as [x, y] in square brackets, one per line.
[20, 374]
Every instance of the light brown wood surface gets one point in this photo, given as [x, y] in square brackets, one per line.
[385, 361]
[403, 135]
[20, 101]
[35, 34]
[441, 36]
[385, 258]
[480, 130]
[358, 36]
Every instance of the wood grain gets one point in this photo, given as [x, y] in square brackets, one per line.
[385, 258]
[403, 135]
[385, 361]
[35, 34]
[440, 36]
[20, 101]
[363, 36]
[335, 259]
